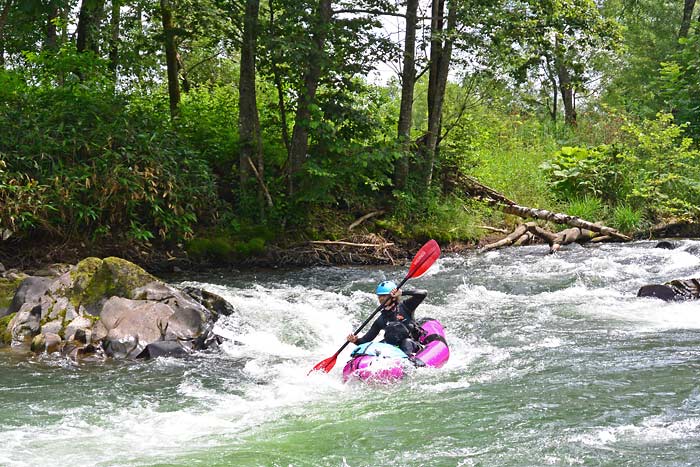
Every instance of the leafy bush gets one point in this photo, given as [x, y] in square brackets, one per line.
[79, 159]
[679, 83]
[442, 218]
[578, 172]
[653, 169]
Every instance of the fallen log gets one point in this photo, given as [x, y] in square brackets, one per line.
[559, 218]
[509, 240]
[364, 218]
[487, 194]
[525, 233]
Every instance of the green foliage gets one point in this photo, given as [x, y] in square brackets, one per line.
[433, 216]
[587, 208]
[530, 39]
[654, 168]
[80, 159]
[223, 249]
[679, 84]
[626, 219]
[597, 172]
[209, 248]
[509, 149]
[650, 37]
[5, 333]
[352, 155]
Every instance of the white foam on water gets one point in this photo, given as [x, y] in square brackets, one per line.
[652, 431]
[280, 332]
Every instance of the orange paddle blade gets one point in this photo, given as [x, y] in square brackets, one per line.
[425, 258]
[325, 365]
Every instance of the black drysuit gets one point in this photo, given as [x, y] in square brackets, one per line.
[406, 309]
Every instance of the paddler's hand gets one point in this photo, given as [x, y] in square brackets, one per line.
[395, 295]
[352, 338]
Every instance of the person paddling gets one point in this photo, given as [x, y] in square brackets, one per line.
[396, 319]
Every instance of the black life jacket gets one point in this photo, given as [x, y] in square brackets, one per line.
[396, 331]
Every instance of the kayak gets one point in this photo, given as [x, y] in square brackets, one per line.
[382, 362]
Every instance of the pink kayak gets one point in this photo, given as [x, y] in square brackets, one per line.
[382, 362]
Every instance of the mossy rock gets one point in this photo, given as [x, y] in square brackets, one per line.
[5, 333]
[95, 280]
[8, 287]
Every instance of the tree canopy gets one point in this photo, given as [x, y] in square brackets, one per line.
[171, 120]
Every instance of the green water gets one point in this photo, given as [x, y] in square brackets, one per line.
[554, 361]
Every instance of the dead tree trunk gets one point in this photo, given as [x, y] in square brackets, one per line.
[525, 233]
[489, 195]
[582, 230]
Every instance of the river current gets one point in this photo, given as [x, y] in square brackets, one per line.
[554, 361]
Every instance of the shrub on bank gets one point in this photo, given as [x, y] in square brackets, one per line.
[653, 170]
[82, 160]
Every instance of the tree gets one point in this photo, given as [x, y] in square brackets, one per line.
[560, 42]
[115, 19]
[170, 55]
[299, 143]
[688, 7]
[87, 31]
[441, 40]
[248, 121]
[314, 52]
[408, 82]
[4, 13]
[651, 37]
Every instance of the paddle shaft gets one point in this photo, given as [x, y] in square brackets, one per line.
[425, 257]
[369, 318]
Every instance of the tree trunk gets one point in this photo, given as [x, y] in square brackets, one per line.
[114, 38]
[170, 56]
[278, 85]
[688, 7]
[299, 144]
[440, 56]
[248, 123]
[51, 31]
[482, 192]
[408, 81]
[555, 89]
[566, 88]
[524, 233]
[88, 27]
[4, 13]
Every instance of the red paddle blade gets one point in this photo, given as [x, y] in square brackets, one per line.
[325, 365]
[425, 258]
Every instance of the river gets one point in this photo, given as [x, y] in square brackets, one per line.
[554, 361]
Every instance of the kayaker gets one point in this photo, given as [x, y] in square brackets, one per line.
[396, 319]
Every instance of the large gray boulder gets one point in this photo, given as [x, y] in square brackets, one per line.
[113, 306]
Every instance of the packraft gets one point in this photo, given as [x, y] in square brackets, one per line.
[383, 362]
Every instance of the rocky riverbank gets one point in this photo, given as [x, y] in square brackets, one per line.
[102, 308]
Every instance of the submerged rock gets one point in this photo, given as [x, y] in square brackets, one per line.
[111, 305]
[675, 290]
[163, 349]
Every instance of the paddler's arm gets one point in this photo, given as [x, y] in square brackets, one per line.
[369, 335]
[415, 297]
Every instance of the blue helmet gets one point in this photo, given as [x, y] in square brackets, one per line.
[385, 287]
